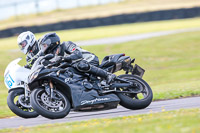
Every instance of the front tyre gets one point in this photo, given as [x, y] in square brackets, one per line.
[19, 105]
[55, 108]
[138, 100]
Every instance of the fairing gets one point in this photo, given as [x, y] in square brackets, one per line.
[14, 74]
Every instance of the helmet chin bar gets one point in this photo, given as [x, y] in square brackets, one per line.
[26, 49]
[34, 49]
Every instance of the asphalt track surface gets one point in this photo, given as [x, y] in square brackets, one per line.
[157, 106]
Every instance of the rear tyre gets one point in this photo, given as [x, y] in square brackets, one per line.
[56, 108]
[139, 100]
[18, 105]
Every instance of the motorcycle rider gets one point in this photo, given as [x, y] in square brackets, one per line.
[80, 59]
[28, 44]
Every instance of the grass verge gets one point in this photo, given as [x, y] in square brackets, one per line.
[180, 121]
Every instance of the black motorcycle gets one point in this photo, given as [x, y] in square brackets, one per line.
[57, 90]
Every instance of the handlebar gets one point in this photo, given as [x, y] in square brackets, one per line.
[62, 60]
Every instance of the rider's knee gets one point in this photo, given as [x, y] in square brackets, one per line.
[83, 66]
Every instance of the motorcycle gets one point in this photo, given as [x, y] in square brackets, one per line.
[18, 100]
[57, 90]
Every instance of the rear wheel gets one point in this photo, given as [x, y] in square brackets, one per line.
[57, 107]
[142, 96]
[19, 105]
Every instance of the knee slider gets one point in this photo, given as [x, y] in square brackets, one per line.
[83, 66]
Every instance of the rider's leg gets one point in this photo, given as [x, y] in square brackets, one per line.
[84, 66]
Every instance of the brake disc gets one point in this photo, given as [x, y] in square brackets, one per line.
[53, 104]
[23, 102]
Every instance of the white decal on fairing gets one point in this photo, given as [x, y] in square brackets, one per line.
[94, 100]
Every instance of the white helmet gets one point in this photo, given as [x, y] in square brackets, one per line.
[26, 40]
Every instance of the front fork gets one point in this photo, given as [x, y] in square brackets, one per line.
[49, 88]
[26, 92]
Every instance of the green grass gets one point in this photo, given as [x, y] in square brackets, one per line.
[172, 62]
[123, 7]
[180, 121]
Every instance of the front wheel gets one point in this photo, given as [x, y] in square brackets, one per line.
[142, 96]
[55, 108]
[19, 105]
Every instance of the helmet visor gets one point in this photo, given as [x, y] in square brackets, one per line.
[22, 45]
[45, 45]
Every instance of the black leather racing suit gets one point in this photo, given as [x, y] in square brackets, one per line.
[82, 60]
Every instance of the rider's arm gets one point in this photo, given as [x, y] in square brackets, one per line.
[71, 49]
[31, 59]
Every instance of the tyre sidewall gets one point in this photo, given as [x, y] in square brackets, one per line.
[134, 104]
[51, 115]
[14, 108]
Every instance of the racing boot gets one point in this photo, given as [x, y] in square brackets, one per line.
[84, 66]
[102, 73]
[110, 78]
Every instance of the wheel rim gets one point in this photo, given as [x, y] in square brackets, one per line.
[22, 103]
[57, 104]
[141, 89]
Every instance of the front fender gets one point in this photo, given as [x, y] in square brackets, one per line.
[13, 89]
[59, 82]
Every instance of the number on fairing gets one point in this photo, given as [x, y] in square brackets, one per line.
[9, 81]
